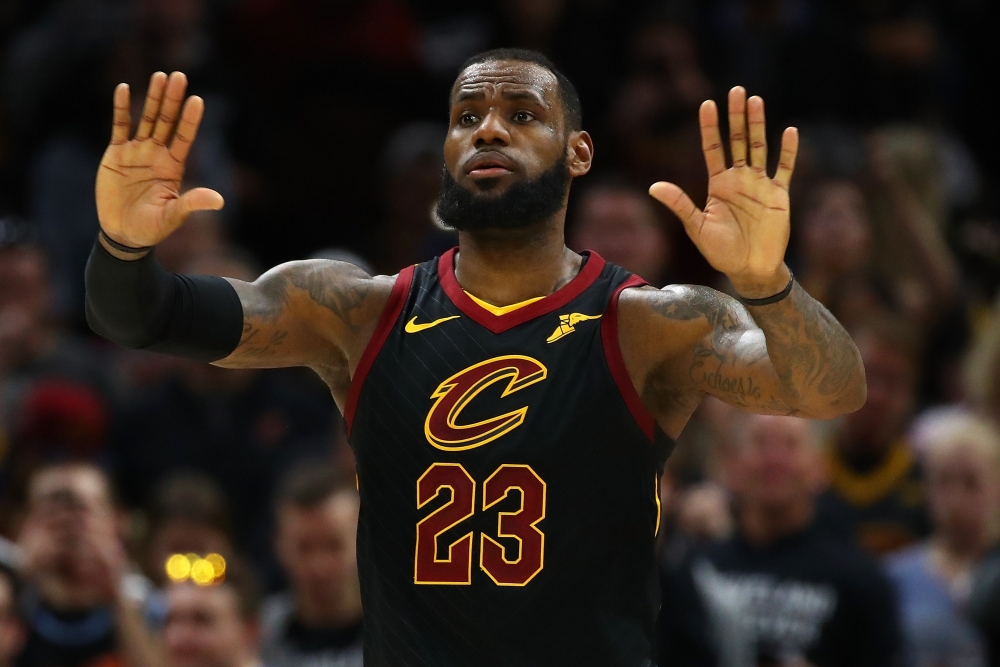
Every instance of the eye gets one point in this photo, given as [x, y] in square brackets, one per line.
[523, 117]
[468, 119]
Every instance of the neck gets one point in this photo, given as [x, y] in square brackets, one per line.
[340, 612]
[503, 267]
[763, 525]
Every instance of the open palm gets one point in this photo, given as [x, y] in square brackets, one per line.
[743, 230]
[139, 202]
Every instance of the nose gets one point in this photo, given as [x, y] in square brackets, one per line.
[492, 131]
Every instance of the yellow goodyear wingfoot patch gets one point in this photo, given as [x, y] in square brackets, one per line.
[567, 325]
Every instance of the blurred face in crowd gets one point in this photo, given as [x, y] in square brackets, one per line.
[509, 156]
[24, 302]
[963, 485]
[205, 628]
[11, 628]
[870, 431]
[836, 233]
[777, 465]
[622, 226]
[317, 547]
[70, 536]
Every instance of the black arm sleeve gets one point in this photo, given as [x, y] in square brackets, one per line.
[139, 305]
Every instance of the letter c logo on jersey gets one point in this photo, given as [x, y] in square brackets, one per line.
[454, 394]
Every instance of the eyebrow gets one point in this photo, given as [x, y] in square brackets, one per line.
[478, 94]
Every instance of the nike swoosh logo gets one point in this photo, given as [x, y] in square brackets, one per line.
[413, 327]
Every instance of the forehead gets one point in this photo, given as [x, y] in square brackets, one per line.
[82, 481]
[506, 76]
[218, 599]
[339, 508]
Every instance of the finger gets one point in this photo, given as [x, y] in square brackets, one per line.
[789, 151]
[151, 108]
[758, 133]
[187, 129]
[711, 140]
[173, 96]
[738, 125]
[677, 201]
[122, 121]
[198, 199]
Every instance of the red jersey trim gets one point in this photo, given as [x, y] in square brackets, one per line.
[616, 363]
[499, 323]
[393, 307]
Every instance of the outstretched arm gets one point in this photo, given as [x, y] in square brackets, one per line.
[787, 357]
[315, 313]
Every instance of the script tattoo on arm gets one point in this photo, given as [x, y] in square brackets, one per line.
[789, 358]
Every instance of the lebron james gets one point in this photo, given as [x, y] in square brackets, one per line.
[512, 402]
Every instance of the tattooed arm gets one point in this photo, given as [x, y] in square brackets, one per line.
[316, 313]
[790, 358]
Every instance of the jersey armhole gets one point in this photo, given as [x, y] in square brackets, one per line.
[393, 307]
[616, 363]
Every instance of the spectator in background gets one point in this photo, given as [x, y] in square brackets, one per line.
[31, 345]
[243, 428]
[85, 608]
[412, 163]
[213, 625]
[318, 623]
[623, 226]
[189, 514]
[933, 578]
[11, 625]
[785, 591]
[876, 482]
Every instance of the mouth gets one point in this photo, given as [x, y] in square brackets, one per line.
[489, 165]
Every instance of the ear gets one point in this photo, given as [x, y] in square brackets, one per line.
[580, 153]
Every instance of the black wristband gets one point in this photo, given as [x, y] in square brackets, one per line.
[774, 298]
[120, 247]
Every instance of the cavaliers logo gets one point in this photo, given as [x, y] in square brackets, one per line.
[442, 426]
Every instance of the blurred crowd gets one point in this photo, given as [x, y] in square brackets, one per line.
[869, 540]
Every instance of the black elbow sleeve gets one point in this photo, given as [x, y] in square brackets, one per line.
[139, 305]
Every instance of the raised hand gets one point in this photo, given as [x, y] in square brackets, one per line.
[743, 230]
[139, 202]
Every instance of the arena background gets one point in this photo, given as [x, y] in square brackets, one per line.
[323, 131]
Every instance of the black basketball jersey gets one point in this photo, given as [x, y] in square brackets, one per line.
[509, 479]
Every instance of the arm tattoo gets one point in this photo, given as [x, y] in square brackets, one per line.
[810, 350]
[340, 288]
[811, 356]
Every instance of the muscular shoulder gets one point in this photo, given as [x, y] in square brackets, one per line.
[313, 312]
[683, 310]
[345, 291]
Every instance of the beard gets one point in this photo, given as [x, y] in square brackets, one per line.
[523, 204]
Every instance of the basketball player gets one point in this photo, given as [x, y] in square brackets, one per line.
[512, 402]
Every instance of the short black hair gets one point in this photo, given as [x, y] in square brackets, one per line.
[191, 496]
[567, 91]
[309, 485]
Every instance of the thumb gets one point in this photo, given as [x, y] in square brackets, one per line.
[198, 199]
[677, 201]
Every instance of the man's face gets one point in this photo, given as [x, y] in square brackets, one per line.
[69, 505]
[777, 464]
[891, 385]
[24, 300]
[317, 546]
[205, 629]
[507, 139]
[621, 225]
[963, 489]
